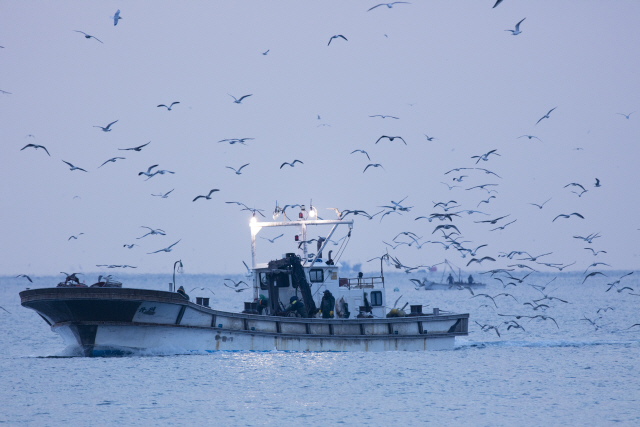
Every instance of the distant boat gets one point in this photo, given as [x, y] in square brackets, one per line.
[454, 279]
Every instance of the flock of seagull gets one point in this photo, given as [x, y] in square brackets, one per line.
[447, 234]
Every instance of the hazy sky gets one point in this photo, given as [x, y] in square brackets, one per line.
[446, 69]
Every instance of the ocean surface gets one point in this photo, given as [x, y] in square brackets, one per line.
[572, 374]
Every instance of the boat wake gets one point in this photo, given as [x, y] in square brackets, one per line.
[464, 344]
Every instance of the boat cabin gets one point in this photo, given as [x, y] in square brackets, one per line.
[307, 275]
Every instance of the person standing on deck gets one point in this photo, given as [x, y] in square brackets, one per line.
[327, 304]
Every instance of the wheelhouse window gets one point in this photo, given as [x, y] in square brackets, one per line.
[264, 283]
[283, 280]
[316, 275]
[376, 298]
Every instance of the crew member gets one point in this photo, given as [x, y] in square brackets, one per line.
[450, 279]
[296, 307]
[183, 293]
[327, 305]
[470, 279]
[263, 303]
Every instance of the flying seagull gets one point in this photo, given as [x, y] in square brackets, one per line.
[497, 3]
[546, 116]
[446, 227]
[626, 115]
[539, 206]
[479, 261]
[529, 137]
[160, 172]
[167, 249]
[597, 184]
[87, 36]
[148, 172]
[208, 196]
[116, 17]
[26, 277]
[391, 138]
[429, 138]
[485, 156]
[594, 252]
[74, 167]
[237, 171]
[450, 186]
[107, 128]
[169, 107]
[503, 226]
[375, 165]
[138, 148]
[264, 53]
[36, 147]
[389, 5]
[384, 117]
[75, 237]
[111, 160]
[236, 284]
[492, 221]
[335, 37]
[129, 246]
[595, 273]
[237, 290]
[164, 196]
[517, 30]
[272, 240]
[238, 101]
[232, 141]
[152, 231]
[568, 216]
[363, 152]
[292, 164]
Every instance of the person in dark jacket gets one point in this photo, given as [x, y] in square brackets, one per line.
[450, 279]
[297, 307]
[263, 303]
[183, 293]
[327, 305]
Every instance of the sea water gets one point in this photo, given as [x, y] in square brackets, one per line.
[571, 374]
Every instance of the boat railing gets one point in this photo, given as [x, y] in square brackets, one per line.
[362, 282]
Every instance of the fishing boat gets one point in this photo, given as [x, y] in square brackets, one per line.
[452, 277]
[111, 319]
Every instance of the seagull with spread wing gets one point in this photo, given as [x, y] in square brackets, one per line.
[389, 5]
[238, 101]
[335, 37]
[208, 196]
[36, 146]
[87, 36]
[517, 30]
[107, 128]
[238, 172]
[73, 168]
[113, 159]
[170, 106]
[167, 249]
[138, 148]
[292, 164]
[546, 116]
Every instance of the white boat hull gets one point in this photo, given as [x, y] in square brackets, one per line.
[115, 321]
